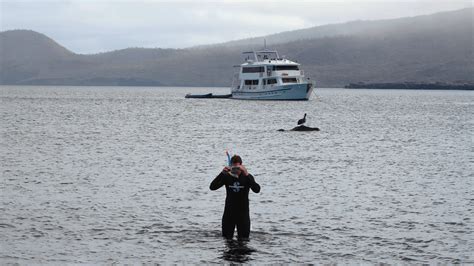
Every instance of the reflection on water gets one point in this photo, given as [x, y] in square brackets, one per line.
[121, 175]
[237, 251]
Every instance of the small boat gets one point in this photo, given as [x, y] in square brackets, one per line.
[207, 96]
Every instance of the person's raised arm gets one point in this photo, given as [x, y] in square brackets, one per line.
[219, 180]
[253, 185]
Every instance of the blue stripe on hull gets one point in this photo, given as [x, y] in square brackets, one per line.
[284, 92]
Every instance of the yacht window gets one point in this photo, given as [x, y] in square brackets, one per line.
[253, 69]
[251, 82]
[288, 80]
[271, 81]
[288, 67]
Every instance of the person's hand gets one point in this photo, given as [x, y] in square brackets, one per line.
[226, 169]
[244, 170]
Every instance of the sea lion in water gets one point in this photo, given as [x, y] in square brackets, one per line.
[301, 128]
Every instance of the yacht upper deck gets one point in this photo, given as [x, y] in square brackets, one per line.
[260, 56]
[265, 57]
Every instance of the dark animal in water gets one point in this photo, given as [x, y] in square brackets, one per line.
[301, 128]
[303, 120]
[304, 128]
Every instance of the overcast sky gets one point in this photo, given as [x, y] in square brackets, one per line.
[91, 26]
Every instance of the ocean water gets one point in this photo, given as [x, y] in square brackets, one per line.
[121, 175]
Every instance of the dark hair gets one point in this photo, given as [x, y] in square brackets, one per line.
[236, 159]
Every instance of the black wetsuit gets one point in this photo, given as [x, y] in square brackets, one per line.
[236, 212]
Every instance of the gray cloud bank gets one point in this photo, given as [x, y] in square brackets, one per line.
[98, 26]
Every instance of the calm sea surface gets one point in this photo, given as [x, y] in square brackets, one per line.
[117, 174]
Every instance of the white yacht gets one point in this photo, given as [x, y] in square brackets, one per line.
[266, 76]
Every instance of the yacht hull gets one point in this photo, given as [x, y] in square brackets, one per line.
[289, 92]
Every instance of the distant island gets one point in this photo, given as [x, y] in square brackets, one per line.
[428, 48]
[411, 86]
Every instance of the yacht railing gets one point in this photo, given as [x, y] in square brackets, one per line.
[259, 56]
[234, 78]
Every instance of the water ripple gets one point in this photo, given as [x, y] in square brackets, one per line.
[120, 175]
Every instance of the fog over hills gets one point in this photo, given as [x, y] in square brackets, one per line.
[429, 48]
[444, 22]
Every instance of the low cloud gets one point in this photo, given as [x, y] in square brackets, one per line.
[98, 26]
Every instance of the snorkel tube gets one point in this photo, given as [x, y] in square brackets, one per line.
[228, 158]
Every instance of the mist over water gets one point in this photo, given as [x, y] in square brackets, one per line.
[117, 174]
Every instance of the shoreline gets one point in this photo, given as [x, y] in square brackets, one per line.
[411, 86]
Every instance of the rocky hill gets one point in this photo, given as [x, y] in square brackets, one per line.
[431, 48]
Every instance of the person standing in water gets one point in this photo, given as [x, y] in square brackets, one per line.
[237, 182]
